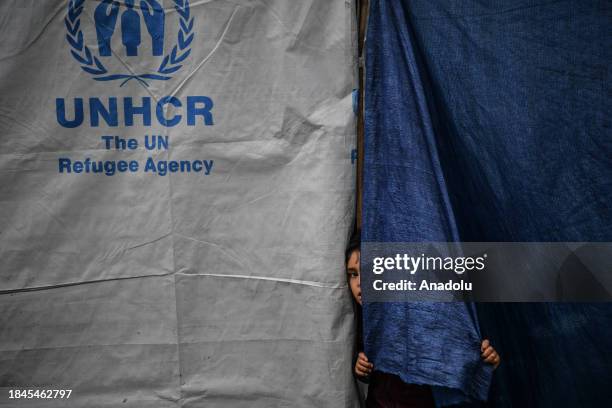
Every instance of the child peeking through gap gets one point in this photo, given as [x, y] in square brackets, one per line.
[388, 390]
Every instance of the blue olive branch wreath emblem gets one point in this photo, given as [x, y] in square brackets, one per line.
[171, 63]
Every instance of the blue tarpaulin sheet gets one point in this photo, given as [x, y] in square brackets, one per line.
[490, 121]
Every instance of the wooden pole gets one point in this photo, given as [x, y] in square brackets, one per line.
[363, 18]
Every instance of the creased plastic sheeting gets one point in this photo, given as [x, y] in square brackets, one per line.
[512, 99]
[138, 290]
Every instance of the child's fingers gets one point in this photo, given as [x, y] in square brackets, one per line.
[484, 345]
[365, 362]
[360, 370]
[369, 366]
[362, 357]
[365, 370]
[365, 366]
[493, 359]
[487, 352]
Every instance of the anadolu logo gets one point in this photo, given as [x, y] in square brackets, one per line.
[110, 19]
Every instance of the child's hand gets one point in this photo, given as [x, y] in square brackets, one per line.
[489, 355]
[363, 367]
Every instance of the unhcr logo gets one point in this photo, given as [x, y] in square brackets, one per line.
[134, 25]
[125, 29]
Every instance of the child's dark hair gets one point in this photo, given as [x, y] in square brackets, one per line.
[353, 244]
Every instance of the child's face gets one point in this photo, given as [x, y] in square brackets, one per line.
[352, 270]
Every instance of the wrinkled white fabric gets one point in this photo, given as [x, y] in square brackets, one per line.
[191, 290]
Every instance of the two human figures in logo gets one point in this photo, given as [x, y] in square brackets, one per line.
[107, 14]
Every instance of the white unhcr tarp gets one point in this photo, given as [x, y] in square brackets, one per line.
[201, 263]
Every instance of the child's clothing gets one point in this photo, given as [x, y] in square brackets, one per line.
[389, 391]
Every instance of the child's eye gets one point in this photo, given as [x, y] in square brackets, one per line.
[353, 274]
